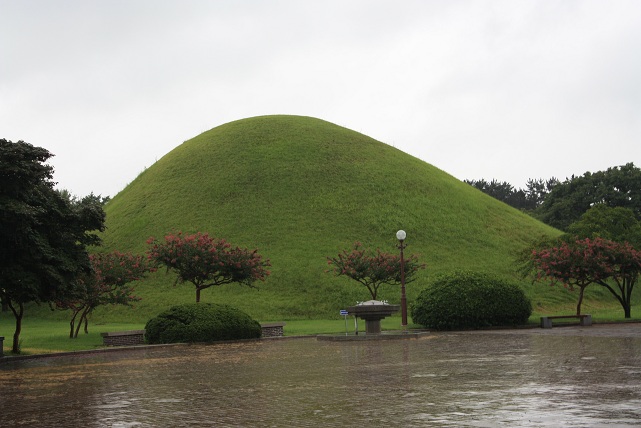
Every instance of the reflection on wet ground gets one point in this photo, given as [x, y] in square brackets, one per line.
[570, 376]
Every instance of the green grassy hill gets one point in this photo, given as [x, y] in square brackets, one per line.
[300, 189]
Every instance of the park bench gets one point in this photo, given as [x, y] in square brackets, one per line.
[584, 320]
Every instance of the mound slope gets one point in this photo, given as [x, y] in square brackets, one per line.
[300, 189]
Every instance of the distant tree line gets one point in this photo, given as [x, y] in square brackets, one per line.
[562, 203]
[527, 199]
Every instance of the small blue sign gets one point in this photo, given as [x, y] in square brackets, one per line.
[344, 312]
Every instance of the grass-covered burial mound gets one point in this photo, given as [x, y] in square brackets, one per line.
[300, 189]
[201, 322]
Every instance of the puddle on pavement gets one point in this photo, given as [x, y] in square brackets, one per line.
[473, 380]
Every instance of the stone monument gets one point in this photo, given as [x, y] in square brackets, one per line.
[373, 311]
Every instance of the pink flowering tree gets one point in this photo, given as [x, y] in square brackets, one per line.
[581, 262]
[108, 283]
[205, 261]
[373, 268]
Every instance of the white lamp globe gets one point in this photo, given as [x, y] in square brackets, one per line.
[400, 235]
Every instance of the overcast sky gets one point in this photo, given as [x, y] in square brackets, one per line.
[509, 90]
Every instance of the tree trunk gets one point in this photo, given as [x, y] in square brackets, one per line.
[72, 323]
[197, 295]
[628, 285]
[578, 306]
[17, 313]
[84, 314]
[623, 298]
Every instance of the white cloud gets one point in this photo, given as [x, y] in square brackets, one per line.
[481, 89]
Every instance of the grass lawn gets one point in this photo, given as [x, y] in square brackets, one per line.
[40, 336]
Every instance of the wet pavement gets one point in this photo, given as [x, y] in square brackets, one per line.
[565, 376]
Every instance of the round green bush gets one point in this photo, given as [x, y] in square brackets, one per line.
[201, 322]
[466, 299]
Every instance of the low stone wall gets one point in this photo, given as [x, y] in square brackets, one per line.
[273, 329]
[123, 338]
[137, 337]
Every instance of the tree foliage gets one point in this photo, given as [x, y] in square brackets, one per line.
[537, 190]
[43, 234]
[527, 199]
[559, 204]
[613, 223]
[108, 283]
[618, 186]
[503, 191]
[373, 268]
[576, 262]
[206, 261]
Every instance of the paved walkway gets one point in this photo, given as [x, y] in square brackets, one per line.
[477, 379]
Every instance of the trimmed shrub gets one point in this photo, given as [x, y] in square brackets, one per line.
[201, 322]
[466, 299]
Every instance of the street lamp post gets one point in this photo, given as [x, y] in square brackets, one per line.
[401, 235]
